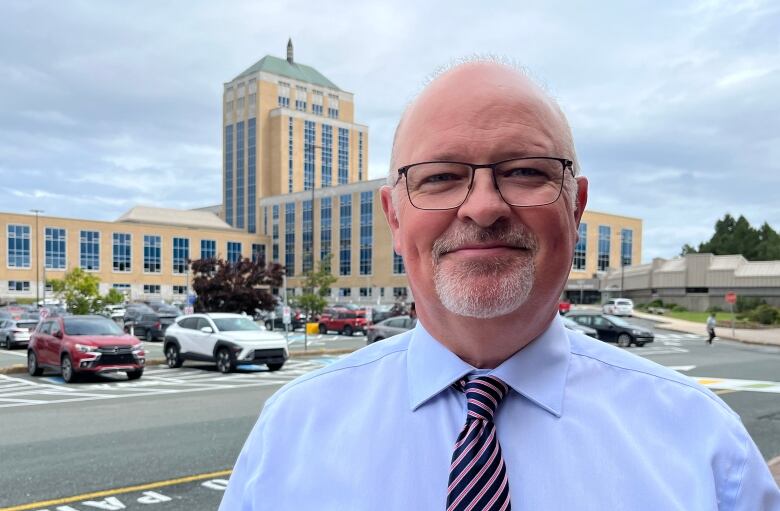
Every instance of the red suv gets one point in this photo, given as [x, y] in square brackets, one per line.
[84, 344]
[344, 321]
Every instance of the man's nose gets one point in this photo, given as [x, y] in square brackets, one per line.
[484, 204]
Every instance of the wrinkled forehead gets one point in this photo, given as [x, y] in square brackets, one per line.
[473, 106]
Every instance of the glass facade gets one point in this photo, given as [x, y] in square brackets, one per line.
[326, 224]
[258, 252]
[308, 236]
[55, 248]
[343, 156]
[275, 234]
[605, 235]
[580, 249]
[181, 255]
[122, 250]
[152, 254]
[208, 249]
[366, 231]
[308, 154]
[251, 170]
[240, 175]
[626, 246]
[289, 155]
[360, 156]
[89, 250]
[229, 174]
[18, 246]
[233, 251]
[326, 174]
[289, 237]
[398, 264]
[345, 234]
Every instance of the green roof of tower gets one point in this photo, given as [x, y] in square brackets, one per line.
[296, 71]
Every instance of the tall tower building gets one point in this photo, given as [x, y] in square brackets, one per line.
[286, 128]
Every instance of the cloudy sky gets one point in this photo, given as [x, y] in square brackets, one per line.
[675, 105]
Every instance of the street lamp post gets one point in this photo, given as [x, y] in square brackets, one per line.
[38, 262]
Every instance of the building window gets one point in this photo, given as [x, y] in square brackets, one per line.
[233, 251]
[18, 246]
[18, 286]
[398, 264]
[626, 246]
[308, 236]
[580, 250]
[240, 103]
[251, 175]
[345, 232]
[229, 106]
[366, 231]
[151, 289]
[289, 238]
[326, 224]
[283, 95]
[605, 233]
[300, 98]
[258, 253]
[55, 250]
[360, 156]
[265, 220]
[365, 292]
[208, 249]
[181, 255]
[179, 290]
[122, 288]
[229, 174]
[275, 234]
[327, 155]
[240, 175]
[122, 249]
[290, 155]
[152, 254]
[252, 102]
[345, 292]
[400, 292]
[343, 156]
[316, 102]
[89, 253]
[333, 106]
[308, 155]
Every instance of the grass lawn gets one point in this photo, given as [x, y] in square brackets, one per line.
[699, 317]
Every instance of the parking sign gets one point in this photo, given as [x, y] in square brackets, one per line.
[286, 315]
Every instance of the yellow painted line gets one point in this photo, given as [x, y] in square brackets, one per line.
[705, 381]
[718, 392]
[117, 491]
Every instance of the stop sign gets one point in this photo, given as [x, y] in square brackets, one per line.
[731, 297]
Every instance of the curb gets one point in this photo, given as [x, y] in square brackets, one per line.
[663, 322]
[18, 368]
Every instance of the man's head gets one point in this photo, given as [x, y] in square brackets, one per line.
[485, 258]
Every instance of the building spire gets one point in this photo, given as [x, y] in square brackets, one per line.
[289, 51]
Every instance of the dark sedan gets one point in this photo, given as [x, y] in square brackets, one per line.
[614, 329]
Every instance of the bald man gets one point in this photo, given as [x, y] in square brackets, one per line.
[489, 402]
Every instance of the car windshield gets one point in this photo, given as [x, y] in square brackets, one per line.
[91, 326]
[235, 324]
[168, 310]
[622, 302]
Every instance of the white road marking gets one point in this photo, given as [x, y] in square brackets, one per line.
[682, 368]
[15, 353]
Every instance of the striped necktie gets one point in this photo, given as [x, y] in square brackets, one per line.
[478, 479]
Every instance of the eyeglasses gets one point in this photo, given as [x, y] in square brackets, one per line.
[521, 182]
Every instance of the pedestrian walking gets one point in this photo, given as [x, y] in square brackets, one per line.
[711, 322]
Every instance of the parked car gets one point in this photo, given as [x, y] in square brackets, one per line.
[614, 329]
[388, 328]
[564, 306]
[75, 345]
[297, 319]
[344, 321]
[380, 313]
[145, 323]
[16, 331]
[229, 340]
[573, 325]
[618, 307]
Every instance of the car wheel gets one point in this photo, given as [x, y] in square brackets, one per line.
[172, 357]
[8, 344]
[347, 330]
[69, 374]
[134, 375]
[624, 340]
[148, 337]
[275, 367]
[323, 329]
[224, 361]
[32, 364]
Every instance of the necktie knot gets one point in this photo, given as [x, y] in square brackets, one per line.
[483, 395]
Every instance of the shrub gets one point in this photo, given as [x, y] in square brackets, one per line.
[656, 303]
[714, 308]
[679, 308]
[764, 314]
[748, 303]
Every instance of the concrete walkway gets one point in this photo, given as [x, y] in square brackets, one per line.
[768, 336]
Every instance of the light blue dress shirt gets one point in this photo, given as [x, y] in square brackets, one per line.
[586, 426]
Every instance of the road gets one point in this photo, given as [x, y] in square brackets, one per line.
[170, 439]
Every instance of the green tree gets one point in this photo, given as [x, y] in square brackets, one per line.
[242, 286]
[737, 236]
[81, 292]
[316, 287]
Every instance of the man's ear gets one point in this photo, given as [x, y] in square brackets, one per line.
[391, 215]
[582, 198]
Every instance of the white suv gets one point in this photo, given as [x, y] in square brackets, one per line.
[619, 307]
[229, 340]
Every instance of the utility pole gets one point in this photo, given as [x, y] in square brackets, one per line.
[38, 262]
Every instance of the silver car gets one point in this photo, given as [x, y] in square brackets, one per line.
[388, 328]
[16, 331]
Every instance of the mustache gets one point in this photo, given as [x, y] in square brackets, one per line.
[468, 234]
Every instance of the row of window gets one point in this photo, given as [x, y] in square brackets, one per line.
[283, 100]
[245, 139]
[55, 250]
[23, 286]
[604, 247]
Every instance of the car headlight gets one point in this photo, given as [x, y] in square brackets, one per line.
[637, 332]
[86, 348]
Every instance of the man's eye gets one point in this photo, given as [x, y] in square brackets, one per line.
[442, 177]
[524, 172]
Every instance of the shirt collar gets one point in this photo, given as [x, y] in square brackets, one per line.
[538, 371]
